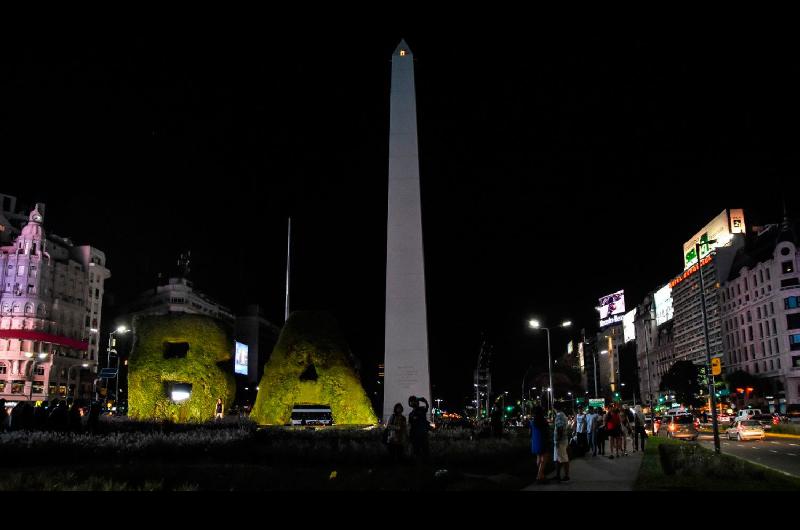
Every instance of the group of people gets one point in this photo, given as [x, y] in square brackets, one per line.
[586, 431]
[400, 432]
[56, 416]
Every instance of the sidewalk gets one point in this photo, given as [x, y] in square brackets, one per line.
[597, 473]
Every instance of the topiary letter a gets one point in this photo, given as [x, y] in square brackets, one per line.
[311, 364]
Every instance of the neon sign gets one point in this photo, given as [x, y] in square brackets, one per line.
[691, 270]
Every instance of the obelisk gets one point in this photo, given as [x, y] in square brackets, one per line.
[406, 341]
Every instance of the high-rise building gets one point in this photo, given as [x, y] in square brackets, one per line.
[720, 240]
[51, 294]
[406, 338]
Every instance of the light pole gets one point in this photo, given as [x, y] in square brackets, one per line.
[709, 375]
[111, 343]
[533, 323]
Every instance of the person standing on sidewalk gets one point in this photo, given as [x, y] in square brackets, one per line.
[602, 433]
[580, 431]
[625, 430]
[560, 443]
[639, 432]
[540, 442]
[590, 430]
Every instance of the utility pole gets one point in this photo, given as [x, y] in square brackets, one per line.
[709, 375]
[288, 267]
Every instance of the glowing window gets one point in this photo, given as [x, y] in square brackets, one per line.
[402, 53]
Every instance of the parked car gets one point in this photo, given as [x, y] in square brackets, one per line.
[746, 430]
[681, 426]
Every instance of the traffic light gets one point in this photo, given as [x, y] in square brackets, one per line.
[509, 408]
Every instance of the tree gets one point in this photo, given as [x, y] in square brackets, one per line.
[682, 380]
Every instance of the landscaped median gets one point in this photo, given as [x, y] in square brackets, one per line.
[671, 465]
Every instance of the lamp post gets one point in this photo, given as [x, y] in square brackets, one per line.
[111, 343]
[709, 375]
[535, 324]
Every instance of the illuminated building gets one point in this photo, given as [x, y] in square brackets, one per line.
[715, 261]
[654, 341]
[51, 294]
[760, 302]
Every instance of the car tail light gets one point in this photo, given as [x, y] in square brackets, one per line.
[774, 421]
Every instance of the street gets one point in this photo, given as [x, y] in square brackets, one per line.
[780, 454]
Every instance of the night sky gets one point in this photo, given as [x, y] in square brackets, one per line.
[555, 168]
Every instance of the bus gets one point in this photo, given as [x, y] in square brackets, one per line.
[311, 415]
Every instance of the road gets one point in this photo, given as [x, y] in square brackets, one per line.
[781, 454]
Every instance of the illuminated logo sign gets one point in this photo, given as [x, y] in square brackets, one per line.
[688, 272]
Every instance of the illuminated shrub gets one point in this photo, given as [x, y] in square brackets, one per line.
[311, 364]
[178, 356]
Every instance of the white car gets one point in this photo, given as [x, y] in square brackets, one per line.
[747, 414]
[746, 430]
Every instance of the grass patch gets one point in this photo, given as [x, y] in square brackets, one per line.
[785, 428]
[672, 465]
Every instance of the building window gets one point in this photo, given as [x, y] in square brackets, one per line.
[793, 302]
[755, 367]
[790, 282]
[39, 370]
[793, 321]
[3, 368]
[17, 387]
[21, 270]
[787, 267]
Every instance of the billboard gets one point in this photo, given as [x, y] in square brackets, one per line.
[611, 308]
[663, 301]
[240, 359]
[628, 328]
[721, 229]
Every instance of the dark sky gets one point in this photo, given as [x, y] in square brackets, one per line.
[555, 168]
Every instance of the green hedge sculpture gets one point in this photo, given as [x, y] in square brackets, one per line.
[150, 371]
[311, 364]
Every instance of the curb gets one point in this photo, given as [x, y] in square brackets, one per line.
[781, 435]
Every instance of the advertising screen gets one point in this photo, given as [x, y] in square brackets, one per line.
[240, 359]
[611, 308]
[721, 229]
[628, 328]
[663, 302]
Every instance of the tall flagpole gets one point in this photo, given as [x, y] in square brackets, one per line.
[288, 267]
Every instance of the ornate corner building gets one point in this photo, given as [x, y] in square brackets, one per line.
[51, 294]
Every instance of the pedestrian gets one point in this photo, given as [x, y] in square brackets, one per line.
[94, 417]
[219, 409]
[602, 434]
[397, 434]
[590, 431]
[540, 442]
[75, 418]
[561, 437]
[639, 432]
[580, 431]
[625, 430]
[58, 420]
[418, 427]
[614, 432]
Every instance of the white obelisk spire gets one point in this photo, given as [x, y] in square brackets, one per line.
[406, 346]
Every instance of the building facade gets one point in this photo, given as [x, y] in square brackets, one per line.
[761, 314]
[176, 295]
[51, 294]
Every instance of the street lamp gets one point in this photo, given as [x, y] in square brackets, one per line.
[535, 324]
[709, 375]
[111, 343]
